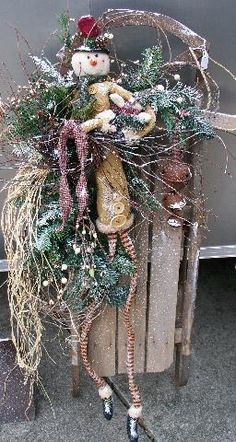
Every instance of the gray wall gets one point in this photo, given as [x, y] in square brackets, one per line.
[213, 19]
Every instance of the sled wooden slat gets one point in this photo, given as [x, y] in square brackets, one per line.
[154, 311]
[190, 275]
[102, 342]
[164, 275]
[139, 308]
[75, 361]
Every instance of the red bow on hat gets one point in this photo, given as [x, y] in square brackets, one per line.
[88, 27]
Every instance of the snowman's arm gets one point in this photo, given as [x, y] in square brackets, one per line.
[116, 89]
[101, 121]
[89, 125]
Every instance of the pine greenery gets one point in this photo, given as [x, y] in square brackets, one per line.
[177, 108]
[64, 30]
[100, 279]
[141, 193]
[33, 114]
[148, 72]
[129, 121]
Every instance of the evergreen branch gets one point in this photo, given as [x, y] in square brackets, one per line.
[148, 73]
[65, 35]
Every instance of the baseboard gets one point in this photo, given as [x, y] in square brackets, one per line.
[209, 252]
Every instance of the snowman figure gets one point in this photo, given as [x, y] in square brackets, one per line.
[113, 203]
[92, 60]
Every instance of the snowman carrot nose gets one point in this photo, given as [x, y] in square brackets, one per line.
[93, 62]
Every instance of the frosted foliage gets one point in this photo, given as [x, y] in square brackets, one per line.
[47, 68]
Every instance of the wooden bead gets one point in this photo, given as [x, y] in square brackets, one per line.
[175, 173]
[174, 221]
[174, 201]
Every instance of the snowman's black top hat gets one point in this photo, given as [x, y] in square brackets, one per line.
[92, 48]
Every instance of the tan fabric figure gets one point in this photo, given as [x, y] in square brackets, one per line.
[102, 91]
[113, 203]
[106, 92]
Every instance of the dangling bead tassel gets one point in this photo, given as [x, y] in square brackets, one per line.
[135, 410]
[65, 197]
[105, 394]
[112, 241]
[134, 413]
[104, 390]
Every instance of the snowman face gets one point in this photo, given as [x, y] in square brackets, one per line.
[90, 63]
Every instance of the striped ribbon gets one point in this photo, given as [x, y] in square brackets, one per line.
[72, 130]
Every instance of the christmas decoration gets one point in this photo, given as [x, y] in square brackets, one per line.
[92, 146]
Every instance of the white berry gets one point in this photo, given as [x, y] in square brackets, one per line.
[180, 100]
[77, 250]
[64, 267]
[45, 283]
[64, 280]
[160, 88]
[144, 117]
[176, 77]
